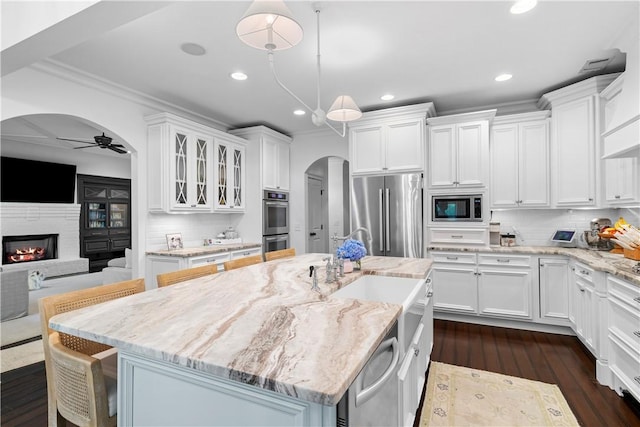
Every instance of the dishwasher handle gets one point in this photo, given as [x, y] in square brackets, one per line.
[362, 396]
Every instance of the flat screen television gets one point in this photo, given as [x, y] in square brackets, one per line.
[31, 181]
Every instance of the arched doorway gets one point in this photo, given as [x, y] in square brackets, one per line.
[327, 202]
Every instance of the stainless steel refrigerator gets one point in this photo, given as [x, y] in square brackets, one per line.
[390, 207]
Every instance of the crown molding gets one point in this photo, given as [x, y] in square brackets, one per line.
[75, 75]
[590, 86]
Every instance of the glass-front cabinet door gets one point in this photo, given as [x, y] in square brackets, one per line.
[118, 215]
[96, 215]
[229, 176]
[191, 171]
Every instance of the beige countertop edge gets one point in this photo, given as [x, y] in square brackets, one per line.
[614, 264]
[316, 379]
[204, 250]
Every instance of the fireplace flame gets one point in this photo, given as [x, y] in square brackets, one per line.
[27, 254]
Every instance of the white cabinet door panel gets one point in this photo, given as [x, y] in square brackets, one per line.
[471, 153]
[455, 289]
[505, 293]
[533, 177]
[504, 166]
[442, 161]
[404, 147]
[367, 149]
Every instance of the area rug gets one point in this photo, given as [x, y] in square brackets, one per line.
[459, 396]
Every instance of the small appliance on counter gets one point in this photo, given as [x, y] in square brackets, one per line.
[592, 236]
[507, 239]
[494, 234]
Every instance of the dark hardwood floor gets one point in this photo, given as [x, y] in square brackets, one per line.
[550, 358]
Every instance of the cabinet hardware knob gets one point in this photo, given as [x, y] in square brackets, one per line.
[617, 196]
[581, 290]
[429, 294]
[591, 199]
[637, 379]
[636, 333]
[503, 260]
[452, 258]
[193, 206]
[456, 236]
[417, 351]
[541, 265]
[429, 280]
[637, 299]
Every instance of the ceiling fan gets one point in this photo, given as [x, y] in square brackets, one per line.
[101, 141]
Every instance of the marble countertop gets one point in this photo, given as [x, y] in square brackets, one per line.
[204, 250]
[614, 264]
[260, 325]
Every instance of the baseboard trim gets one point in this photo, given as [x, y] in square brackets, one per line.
[21, 342]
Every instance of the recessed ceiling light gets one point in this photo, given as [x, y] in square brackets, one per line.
[522, 6]
[387, 97]
[238, 75]
[193, 49]
[299, 112]
[503, 77]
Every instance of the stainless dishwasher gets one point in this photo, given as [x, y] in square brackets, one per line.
[372, 398]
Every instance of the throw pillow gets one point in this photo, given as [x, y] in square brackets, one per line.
[127, 257]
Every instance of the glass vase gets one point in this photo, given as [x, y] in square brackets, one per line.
[357, 265]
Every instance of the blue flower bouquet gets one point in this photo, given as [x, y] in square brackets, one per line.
[352, 250]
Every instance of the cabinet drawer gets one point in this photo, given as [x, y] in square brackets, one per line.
[120, 243]
[586, 273]
[94, 232]
[624, 364]
[504, 260]
[245, 253]
[459, 236]
[207, 259]
[624, 322]
[96, 246]
[454, 257]
[625, 292]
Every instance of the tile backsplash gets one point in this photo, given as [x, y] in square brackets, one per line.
[193, 227]
[534, 227]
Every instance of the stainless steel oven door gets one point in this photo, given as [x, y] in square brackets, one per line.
[275, 216]
[275, 243]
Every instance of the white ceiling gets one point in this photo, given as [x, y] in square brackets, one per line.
[447, 52]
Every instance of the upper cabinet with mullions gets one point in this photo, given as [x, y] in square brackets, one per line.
[185, 167]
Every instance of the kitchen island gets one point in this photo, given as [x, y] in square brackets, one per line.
[252, 346]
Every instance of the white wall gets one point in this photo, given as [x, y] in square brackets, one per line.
[306, 149]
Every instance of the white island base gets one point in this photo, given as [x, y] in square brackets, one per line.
[156, 393]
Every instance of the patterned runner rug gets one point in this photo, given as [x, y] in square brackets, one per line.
[459, 396]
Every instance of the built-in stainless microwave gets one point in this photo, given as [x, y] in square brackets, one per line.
[456, 208]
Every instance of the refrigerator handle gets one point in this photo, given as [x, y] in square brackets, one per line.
[386, 219]
[380, 214]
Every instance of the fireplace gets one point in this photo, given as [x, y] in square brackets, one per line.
[27, 248]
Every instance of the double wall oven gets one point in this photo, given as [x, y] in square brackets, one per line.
[275, 220]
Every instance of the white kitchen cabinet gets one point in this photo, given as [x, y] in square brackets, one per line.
[519, 150]
[180, 166]
[576, 126]
[458, 154]
[587, 307]
[165, 263]
[621, 178]
[411, 378]
[624, 335]
[389, 141]
[621, 181]
[275, 163]
[505, 286]
[455, 283]
[229, 177]
[554, 290]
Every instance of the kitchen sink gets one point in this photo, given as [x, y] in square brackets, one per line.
[395, 290]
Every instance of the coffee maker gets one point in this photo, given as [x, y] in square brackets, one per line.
[592, 238]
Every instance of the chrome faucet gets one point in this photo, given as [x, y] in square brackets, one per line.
[312, 273]
[331, 268]
[335, 237]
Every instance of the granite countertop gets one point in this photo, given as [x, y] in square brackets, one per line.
[260, 325]
[615, 264]
[204, 250]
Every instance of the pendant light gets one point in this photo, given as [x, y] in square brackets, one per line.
[269, 25]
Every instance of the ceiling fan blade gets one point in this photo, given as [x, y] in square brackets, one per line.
[114, 147]
[86, 146]
[76, 140]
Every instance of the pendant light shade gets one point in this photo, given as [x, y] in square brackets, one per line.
[269, 25]
[344, 109]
